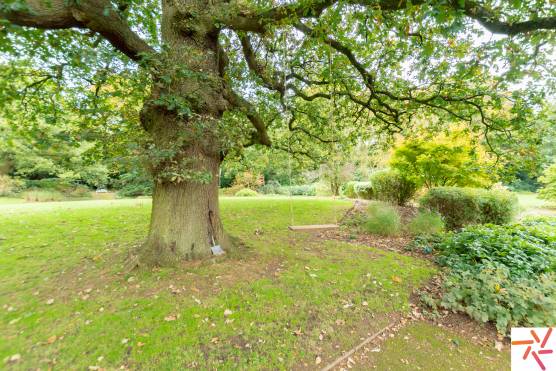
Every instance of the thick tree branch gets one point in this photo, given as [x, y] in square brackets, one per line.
[241, 103]
[270, 82]
[96, 15]
[260, 21]
[491, 21]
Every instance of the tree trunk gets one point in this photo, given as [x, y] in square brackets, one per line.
[183, 119]
[185, 221]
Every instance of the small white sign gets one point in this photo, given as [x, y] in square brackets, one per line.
[533, 349]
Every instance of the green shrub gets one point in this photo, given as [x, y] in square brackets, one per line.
[364, 190]
[299, 190]
[348, 189]
[272, 187]
[80, 192]
[231, 191]
[548, 179]
[9, 186]
[42, 196]
[426, 223]
[246, 192]
[382, 219]
[135, 190]
[355, 189]
[391, 186]
[464, 206]
[504, 274]
[492, 294]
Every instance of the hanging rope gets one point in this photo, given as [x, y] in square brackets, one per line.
[332, 121]
[285, 65]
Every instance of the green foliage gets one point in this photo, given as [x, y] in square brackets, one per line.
[492, 294]
[426, 223]
[10, 186]
[449, 161]
[392, 186]
[271, 187]
[42, 196]
[548, 179]
[504, 274]
[299, 190]
[246, 192]
[463, 206]
[134, 183]
[348, 189]
[355, 189]
[382, 219]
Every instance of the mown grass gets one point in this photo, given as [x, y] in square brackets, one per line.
[422, 346]
[67, 303]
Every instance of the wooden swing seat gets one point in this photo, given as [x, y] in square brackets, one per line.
[312, 227]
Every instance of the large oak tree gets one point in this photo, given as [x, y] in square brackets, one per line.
[215, 75]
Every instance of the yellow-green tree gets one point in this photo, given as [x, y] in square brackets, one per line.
[450, 160]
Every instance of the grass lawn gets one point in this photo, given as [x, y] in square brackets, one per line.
[278, 302]
[531, 205]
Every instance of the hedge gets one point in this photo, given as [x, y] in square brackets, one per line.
[464, 206]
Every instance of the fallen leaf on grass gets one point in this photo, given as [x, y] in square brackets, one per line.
[13, 359]
[396, 279]
[227, 313]
[51, 339]
[171, 317]
[50, 302]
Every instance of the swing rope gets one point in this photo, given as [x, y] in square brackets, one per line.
[290, 195]
[331, 119]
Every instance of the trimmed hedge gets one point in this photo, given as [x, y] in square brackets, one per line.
[354, 189]
[246, 192]
[464, 206]
[299, 190]
[391, 186]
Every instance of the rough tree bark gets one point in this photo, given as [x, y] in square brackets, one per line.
[185, 219]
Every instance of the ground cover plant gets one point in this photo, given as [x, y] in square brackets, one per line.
[504, 274]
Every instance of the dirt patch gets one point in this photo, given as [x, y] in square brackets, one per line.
[198, 279]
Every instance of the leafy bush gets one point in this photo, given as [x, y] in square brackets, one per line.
[463, 206]
[248, 179]
[354, 189]
[80, 192]
[299, 190]
[525, 250]
[135, 190]
[548, 179]
[231, 191]
[135, 183]
[42, 196]
[492, 294]
[246, 192]
[392, 186]
[348, 189]
[58, 184]
[272, 187]
[9, 186]
[504, 274]
[382, 219]
[426, 223]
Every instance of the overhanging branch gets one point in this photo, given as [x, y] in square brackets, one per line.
[96, 15]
